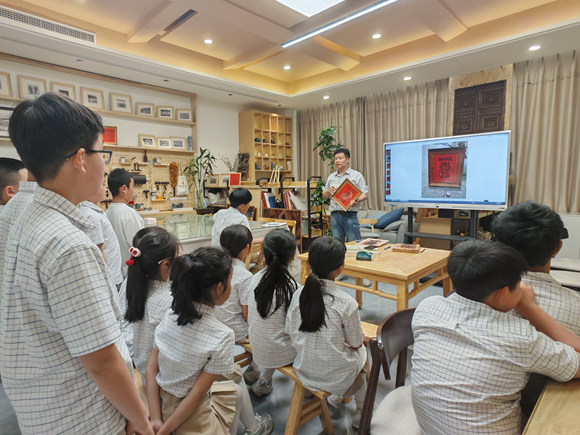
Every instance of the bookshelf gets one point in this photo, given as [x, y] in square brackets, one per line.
[268, 139]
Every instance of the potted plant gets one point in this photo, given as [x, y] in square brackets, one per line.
[197, 170]
[326, 147]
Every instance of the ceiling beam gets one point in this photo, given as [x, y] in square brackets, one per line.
[329, 52]
[435, 16]
[157, 20]
[252, 57]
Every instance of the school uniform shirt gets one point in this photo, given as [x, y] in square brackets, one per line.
[158, 302]
[126, 222]
[335, 180]
[323, 361]
[471, 362]
[9, 215]
[230, 313]
[561, 303]
[223, 219]
[184, 351]
[59, 304]
[105, 235]
[271, 345]
[127, 326]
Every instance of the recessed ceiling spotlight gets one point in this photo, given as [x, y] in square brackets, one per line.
[326, 97]
[535, 47]
[79, 60]
[377, 36]
[407, 78]
[165, 80]
[208, 41]
[287, 67]
[229, 95]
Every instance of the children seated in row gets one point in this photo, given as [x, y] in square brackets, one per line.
[325, 329]
[147, 292]
[65, 366]
[537, 233]
[103, 234]
[236, 240]
[125, 220]
[472, 357]
[268, 301]
[188, 386]
[12, 172]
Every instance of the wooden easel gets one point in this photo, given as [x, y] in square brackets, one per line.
[275, 177]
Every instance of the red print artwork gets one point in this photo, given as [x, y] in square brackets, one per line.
[345, 193]
[446, 166]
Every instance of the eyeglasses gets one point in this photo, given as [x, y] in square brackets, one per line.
[107, 154]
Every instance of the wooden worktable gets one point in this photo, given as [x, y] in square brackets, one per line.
[396, 268]
[557, 411]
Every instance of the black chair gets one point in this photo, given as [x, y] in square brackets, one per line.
[394, 336]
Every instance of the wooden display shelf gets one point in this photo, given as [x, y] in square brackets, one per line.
[5, 98]
[158, 200]
[142, 118]
[160, 164]
[161, 150]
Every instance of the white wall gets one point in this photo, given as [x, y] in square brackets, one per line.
[217, 129]
[571, 246]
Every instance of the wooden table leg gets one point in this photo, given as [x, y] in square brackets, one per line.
[359, 293]
[402, 297]
[293, 422]
[447, 284]
[304, 272]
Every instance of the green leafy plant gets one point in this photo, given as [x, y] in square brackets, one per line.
[197, 170]
[327, 144]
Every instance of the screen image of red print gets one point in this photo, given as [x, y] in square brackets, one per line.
[445, 169]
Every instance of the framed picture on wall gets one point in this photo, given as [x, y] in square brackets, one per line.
[235, 178]
[183, 115]
[178, 143]
[145, 109]
[110, 135]
[5, 86]
[92, 98]
[5, 114]
[147, 141]
[31, 87]
[64, 89]
[164, 142]
[224, 180]
[165, 112]
[121, 103]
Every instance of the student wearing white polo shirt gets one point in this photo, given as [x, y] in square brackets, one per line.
[64, 362]
[125, 220]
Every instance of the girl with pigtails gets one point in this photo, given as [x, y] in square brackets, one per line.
[145, 294]
[189, 386]
[269, 298]
[324, 326]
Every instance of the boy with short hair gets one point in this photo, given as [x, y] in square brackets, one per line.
[537, 233]
[235, 215]
[64, 362]
[103, 234]
[125, 220]
[471, 357]
[12, 172]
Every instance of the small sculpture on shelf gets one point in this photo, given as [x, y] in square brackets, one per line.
[273, 141]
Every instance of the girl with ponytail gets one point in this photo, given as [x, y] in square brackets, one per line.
[145, 295]
[269, 298]
[189, 386]
[325, 329]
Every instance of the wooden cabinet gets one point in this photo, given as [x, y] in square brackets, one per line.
[267, 138]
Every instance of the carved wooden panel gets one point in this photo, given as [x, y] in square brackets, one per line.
[479, 109]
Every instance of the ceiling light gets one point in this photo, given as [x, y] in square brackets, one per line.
[79, 60]
[165, 80]
[408, 78]
[287, 67]
[338, 22]
[377, 36]
[309, 7]
[208, 41]
[535, 47]
[326, 97]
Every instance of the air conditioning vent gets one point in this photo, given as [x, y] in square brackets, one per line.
[27, 20]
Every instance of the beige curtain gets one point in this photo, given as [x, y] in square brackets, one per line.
[347, 115]
[411, 113]
[545, 120]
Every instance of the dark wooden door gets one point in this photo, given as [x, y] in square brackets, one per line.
[479, 109]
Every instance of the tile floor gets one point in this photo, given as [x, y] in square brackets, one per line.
[277, 404]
